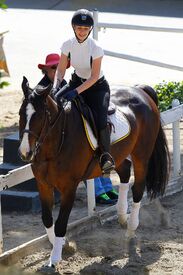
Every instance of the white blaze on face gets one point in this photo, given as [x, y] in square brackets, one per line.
[24, 146]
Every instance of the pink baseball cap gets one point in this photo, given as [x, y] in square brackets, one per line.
[51, 59]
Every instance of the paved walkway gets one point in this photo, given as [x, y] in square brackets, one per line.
[36, 30]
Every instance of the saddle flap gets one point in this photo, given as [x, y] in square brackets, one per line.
[87, 114]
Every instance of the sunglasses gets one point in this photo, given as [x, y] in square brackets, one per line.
[44, 71]
[54, 67]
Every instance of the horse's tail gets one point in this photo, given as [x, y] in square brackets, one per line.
[159, 163]
[158, 167]
[150, 91]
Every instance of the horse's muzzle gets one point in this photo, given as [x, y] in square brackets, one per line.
[28, 157]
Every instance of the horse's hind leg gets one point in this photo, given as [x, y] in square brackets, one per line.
[46, 193]
[122, 205]
[138, 187]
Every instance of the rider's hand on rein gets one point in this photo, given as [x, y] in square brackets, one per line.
[70, 95]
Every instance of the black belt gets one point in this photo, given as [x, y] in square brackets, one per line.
[83, 79]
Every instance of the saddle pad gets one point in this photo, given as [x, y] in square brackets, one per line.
[120, 129]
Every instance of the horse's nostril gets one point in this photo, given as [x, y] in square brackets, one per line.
[30, 155]
[26, 157]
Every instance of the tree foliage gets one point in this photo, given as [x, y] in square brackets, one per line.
[3, 5]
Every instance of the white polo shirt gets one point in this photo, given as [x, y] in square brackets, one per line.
[80, 55]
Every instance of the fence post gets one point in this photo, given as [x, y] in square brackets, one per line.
[95, 27]
[176, 143]
[1, 230]
[91, 197]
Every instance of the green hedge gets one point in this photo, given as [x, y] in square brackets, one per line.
[167, 91]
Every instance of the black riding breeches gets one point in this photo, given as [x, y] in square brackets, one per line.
[96, 97]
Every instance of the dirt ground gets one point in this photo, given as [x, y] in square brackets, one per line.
[158, 248]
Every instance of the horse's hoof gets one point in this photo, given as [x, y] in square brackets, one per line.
[48, 269]
[70, 247]
[122, 219]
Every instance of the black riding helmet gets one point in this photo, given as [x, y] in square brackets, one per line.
[82, 17]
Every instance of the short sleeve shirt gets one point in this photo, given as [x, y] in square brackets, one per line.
[81, 55]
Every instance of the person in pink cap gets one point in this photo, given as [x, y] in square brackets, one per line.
[49, 69]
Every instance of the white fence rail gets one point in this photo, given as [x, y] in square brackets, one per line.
[98, 25]
[138, 27]
[24, 173]
[173, 116]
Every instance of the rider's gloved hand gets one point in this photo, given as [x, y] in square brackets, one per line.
[70, 95]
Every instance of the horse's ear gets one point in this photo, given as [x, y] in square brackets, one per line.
[43, 91]
[25, 87]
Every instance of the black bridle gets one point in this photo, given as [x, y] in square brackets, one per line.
[44, 132]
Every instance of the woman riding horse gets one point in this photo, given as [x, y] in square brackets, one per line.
[88, 81]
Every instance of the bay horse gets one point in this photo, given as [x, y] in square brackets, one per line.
[55, 143]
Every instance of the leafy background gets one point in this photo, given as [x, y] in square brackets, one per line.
[167, 91]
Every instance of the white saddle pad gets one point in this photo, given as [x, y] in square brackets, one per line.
[120, 129]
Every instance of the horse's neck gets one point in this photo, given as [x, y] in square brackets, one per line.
[52, 132]
[61, 124]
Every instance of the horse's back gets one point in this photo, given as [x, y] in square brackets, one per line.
[140, 99]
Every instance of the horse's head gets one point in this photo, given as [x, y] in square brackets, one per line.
[34, 116]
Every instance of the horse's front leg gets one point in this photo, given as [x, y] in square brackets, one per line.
[122, 204]
[67, 200]
[46, 193]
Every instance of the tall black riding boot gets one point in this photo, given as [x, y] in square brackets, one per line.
[106, 160]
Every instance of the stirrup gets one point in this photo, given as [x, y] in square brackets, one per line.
[107, 163]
